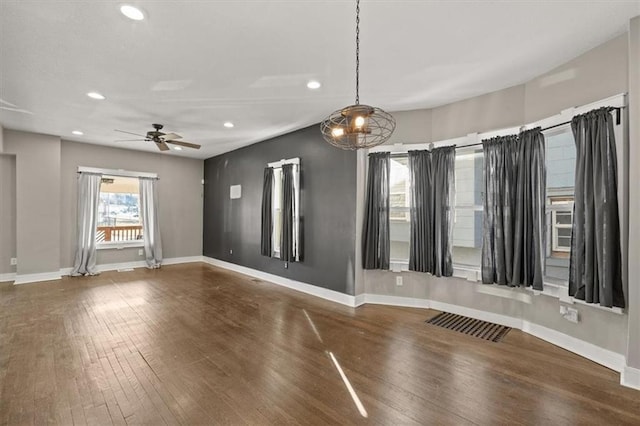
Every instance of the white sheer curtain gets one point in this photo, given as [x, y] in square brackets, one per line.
[150, 221]
[88, 197]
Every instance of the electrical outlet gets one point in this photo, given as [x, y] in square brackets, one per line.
[570, 314]
[230, 251]
[13, 261]
[286, 265]
[140, 252]
[399, 281]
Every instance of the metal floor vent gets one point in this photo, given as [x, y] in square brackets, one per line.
[473, 327]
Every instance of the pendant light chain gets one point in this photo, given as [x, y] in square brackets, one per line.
[357, 126]
[357, 52]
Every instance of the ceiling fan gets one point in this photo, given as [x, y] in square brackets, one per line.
[161, 139]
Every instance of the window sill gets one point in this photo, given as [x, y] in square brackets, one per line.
[119, 245]
[551, 289]
[399, 265]
[560, 292]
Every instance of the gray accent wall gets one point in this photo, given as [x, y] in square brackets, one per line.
[328, 209]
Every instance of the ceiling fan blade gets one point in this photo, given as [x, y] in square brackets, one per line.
[130, 140]
[171, 136]
[183, 143]
[162, 146]
[135, 134]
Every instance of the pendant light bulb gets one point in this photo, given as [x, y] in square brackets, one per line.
[337, 132]
[359, 122]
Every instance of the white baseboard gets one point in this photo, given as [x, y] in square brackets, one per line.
[609, 359]
[630, 377]
[179, 260]
[138, 264]
[359, 300]
[334, 296]
[9, 276]
[34, 278]
[110, 267]
[409, 302]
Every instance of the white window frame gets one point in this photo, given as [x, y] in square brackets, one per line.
[554, 209]
[118, 245]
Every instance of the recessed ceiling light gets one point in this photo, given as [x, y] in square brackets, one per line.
[132, 12]
[95, 95]
[177, 148]
[313, 84]
[77, 132]
[228, 124]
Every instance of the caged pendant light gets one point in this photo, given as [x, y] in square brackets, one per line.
[358, 126]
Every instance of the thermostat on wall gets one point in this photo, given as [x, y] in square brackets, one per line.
[235, 191]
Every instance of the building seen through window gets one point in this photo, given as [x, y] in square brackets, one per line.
[560, 160]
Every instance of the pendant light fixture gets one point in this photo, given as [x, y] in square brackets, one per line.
[358, 126]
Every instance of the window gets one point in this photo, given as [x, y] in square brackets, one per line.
[399, 218]
[277, 206]
[561, 220]
[467, 231]
[560, 160]
[277, 211]
[468, 208]
[119, 211]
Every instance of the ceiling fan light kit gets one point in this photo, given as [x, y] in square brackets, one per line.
[358, 126]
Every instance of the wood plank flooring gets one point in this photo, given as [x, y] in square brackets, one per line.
[192, 344]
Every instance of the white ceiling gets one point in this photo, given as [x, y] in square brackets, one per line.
[193, 65]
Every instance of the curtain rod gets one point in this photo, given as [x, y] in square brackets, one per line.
[116, 172]
[618, 118]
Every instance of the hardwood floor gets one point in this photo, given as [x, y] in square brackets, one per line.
[192, 344]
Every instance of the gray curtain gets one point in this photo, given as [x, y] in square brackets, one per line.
[375, 233]
[267, 217]
[500, 155]
[150, 222]
[595, 267]
[513, 231]
[529, 249]
[88, 198]
[287, 240]
[432, 191]
[443, 165]
[421, 241]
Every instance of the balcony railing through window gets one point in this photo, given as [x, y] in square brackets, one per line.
[118, 233]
